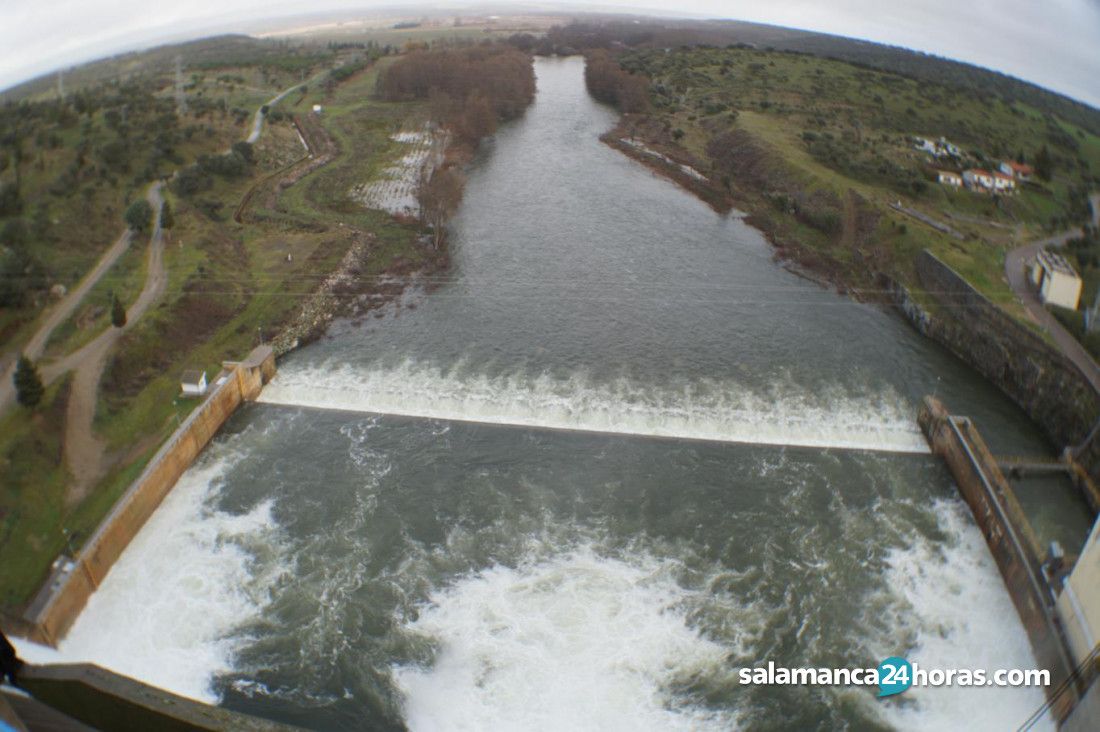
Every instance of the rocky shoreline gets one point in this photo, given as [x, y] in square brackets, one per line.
[344, 293]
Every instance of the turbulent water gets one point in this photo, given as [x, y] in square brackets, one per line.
[526, 540]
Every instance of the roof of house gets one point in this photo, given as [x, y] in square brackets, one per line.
[1002, 176]
[1021, 167]
[192, 376]
[1056, 262]
[978, 171]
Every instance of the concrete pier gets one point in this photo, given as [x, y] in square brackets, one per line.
[1012, 542]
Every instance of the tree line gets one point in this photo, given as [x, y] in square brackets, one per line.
[470, 89]
[611, 84]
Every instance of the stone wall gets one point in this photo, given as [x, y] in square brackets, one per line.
[1045, 384]
[60, 602]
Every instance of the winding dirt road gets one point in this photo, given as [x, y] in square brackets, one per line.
[59, 314]
[84, 451]
[258, 118]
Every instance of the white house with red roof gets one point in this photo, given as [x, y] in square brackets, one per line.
[1019, 171]
[1003, 183]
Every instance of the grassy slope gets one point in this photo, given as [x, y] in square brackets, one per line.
[227, 284]
[86, 219]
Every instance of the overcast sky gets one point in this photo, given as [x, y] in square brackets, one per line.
[1054, 43]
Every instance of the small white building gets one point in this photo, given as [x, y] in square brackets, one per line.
[193, 383]
[1056, 280]
[318, 109]
[978, 179]
[940, 148]
[1003, 183]
[949, 178]
[924, 145]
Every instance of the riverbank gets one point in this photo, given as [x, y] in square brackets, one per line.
[226, 286]
[647, 141]
[1056, 395]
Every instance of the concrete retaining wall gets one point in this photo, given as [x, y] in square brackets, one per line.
[59, 603]
[1045, 384]
[1008, 535]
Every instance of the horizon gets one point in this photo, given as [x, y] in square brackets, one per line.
[897, 27]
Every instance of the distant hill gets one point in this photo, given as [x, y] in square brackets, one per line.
[982, 82]
[225, 50]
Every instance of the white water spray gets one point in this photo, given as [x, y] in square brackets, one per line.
[166, 611]
[951, 600]
[575, 642]
[705, 410]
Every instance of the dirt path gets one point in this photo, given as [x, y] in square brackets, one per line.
[258, 118]
[83, 451]
[1015, 269]
[59, 314]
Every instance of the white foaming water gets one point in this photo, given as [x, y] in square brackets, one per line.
[165, 612]
[706, 410]
[574, 642]
[958, 614]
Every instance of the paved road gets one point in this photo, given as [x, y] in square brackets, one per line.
[1015, 264]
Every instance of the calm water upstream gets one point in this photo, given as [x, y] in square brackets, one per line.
[460, 564]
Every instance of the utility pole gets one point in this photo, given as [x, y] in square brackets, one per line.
[181, 95]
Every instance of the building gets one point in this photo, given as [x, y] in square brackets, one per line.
[924, 145]
[318, 109]
[1019, 171]
[947, 148]
[978, 179]
[937, 148]
[1003, 183]
[949, 178]
[193, 383]
[1056, 280]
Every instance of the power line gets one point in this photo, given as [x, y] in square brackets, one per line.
[1062, 688]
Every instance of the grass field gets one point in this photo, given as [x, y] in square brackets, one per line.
[829, 130]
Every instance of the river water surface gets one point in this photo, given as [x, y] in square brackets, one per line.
[450, 553]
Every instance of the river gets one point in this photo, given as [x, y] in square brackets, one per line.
[507, 526]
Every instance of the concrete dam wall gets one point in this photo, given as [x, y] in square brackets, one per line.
[1010, 538]
[67, 590]
[1045, 384]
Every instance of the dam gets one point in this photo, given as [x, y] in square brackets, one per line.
[708, 412]
[612, 455]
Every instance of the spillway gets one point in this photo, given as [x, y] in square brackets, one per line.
[700, 410]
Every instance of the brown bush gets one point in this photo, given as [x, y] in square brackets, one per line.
[610, 83]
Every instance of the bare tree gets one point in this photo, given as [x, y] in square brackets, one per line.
[439, 198]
